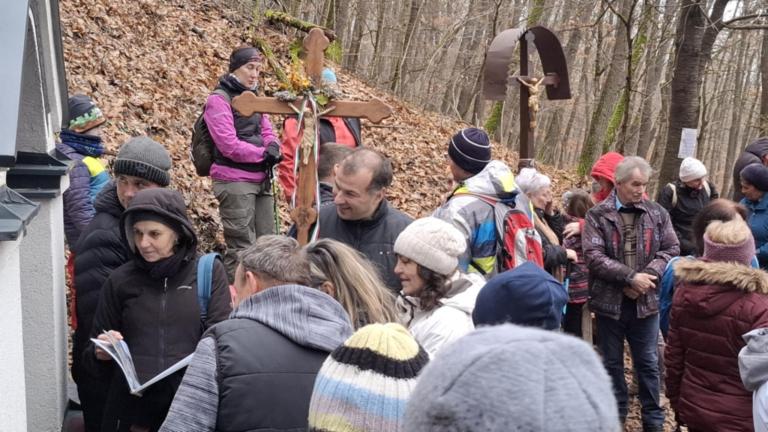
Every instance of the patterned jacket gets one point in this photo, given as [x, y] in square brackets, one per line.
[603, 241]
[475, 218]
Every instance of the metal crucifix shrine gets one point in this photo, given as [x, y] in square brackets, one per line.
[306, 200]
[554, 80]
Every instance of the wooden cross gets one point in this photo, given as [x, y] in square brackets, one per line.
[555, 79]
[305, 210]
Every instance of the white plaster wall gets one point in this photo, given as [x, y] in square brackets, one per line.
[13, 401]
[45, 317]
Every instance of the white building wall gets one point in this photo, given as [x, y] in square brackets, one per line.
[45, 317]
[13, 400]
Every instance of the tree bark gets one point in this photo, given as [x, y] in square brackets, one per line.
[609, 97]
[410, 28]
[353, 56]
[764, 85]
[693, 52]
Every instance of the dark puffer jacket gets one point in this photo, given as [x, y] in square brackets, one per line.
[159, 318]
[603, 243]
[98, 253]
[689, 204]
[374, 238]
[715, 303]
[752, 154]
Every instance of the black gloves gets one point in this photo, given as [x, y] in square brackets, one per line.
[272, 156]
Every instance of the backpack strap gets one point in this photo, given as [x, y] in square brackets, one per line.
[707, 189]
[223, 94]
[674, 194]
[205, 281]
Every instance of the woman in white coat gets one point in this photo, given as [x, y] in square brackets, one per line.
[437, 300]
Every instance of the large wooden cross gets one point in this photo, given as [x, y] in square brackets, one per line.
[305, 210]
[555, 78]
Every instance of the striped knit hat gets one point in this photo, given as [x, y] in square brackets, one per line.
[364, 384]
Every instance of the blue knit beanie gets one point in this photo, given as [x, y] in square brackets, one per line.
[526, 295]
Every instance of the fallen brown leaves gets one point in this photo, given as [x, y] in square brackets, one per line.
[150, 64]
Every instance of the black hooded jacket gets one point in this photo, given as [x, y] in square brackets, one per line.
[98, 253]
[159, 318]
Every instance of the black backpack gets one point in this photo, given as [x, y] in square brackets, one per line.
[202, 143]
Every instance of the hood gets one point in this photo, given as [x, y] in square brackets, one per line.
[753, 359]
[463, 292]
[304, 315]
[164, 202]
[495, 181]
[717, 285]
[605, 167]
[759, 147]
[107, 201]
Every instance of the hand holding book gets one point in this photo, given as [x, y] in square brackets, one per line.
[110, 344]
[107, 337]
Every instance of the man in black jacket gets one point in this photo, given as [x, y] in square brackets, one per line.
[256, 370]
[362, 218]
[684, 199]
[141, 163]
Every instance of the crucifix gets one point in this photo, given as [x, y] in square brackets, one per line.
[306, 200]
[554, 79]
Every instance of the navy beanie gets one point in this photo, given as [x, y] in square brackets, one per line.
[84, 115]
[757, 175]
[526, 295]
[470, 149]
[243, 56]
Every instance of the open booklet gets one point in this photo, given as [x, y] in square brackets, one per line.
[118, 349]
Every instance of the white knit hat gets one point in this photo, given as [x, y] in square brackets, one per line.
[692, 169]
[432, 243]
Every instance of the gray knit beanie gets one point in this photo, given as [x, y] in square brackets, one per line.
[510, 378]
[144, 157]
[432, 243]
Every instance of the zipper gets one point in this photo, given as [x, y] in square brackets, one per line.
[163, 315]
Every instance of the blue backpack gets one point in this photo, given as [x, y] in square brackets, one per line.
[205, 281]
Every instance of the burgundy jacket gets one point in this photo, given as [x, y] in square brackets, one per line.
[603, 244]
[715, 303]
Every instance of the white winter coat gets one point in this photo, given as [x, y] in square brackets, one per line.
[447, 322]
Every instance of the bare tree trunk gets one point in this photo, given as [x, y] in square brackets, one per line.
[764, 84]
[734, 135]
[413, 17]
[609, 96]
[696, 36]
[373, 72]
[353, 56]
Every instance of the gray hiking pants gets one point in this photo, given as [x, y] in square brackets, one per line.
[247, 212]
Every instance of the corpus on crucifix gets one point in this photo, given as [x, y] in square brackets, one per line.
[309, 107]
[554, 78]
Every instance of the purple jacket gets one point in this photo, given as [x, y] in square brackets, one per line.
[602, 241]
[221, 125]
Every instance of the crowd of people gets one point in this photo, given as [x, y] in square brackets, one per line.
[386, 323]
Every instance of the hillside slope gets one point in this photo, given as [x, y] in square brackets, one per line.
[150, 64]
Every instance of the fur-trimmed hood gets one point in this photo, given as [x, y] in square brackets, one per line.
[712, 286]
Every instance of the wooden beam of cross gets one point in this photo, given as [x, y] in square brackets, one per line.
[555, 78]
[306, 200]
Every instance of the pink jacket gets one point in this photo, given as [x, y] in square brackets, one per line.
[221, 124]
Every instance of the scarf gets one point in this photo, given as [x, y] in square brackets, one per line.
[166, 267]
[88, 145]
[233, 86]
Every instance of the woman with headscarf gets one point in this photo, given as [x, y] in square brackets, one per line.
[547, 220]
[754, 185]
[151, 303]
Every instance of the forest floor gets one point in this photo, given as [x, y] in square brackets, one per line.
[150, 64]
